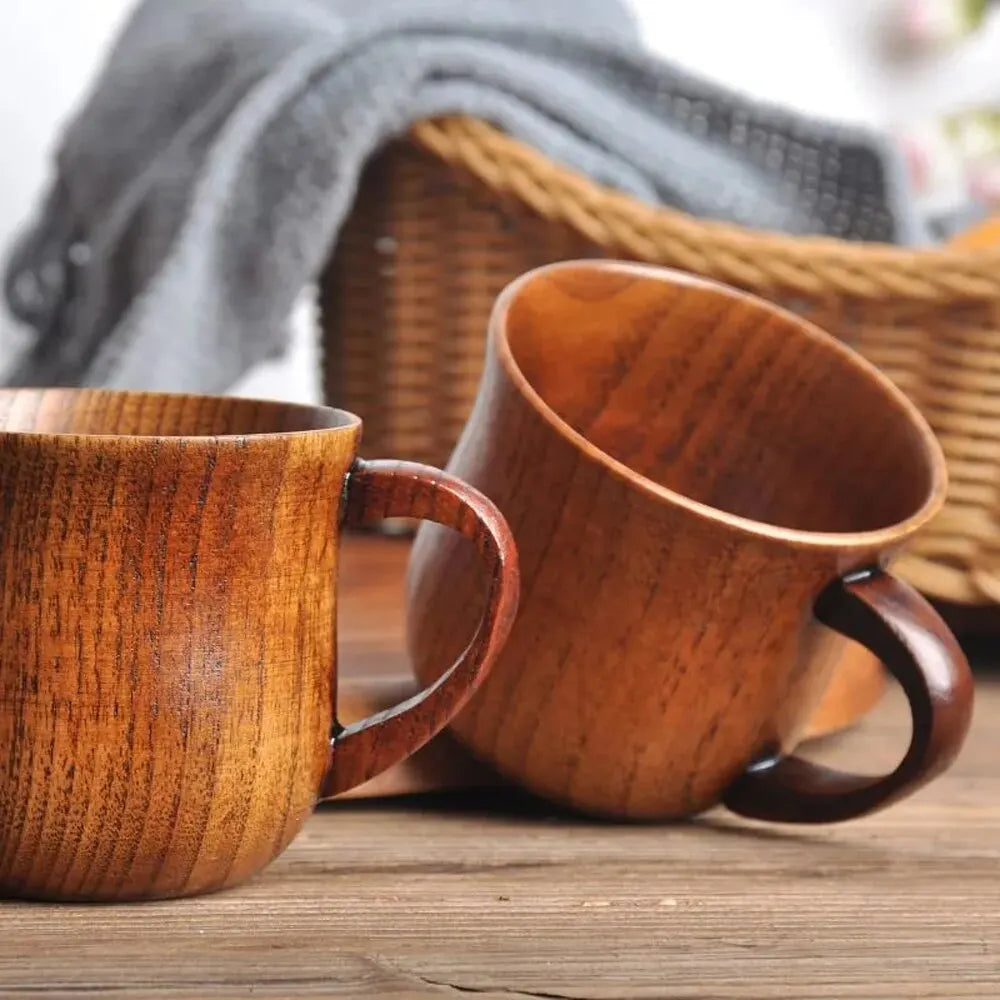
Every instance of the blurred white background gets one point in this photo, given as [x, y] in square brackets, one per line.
[820, 56]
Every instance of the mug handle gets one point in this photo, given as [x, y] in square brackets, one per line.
[893, 621]
[376, 490]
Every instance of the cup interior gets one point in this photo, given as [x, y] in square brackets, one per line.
[141, 414]
[721, 397]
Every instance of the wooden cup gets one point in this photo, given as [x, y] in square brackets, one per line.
[168, 571]
[704, 490]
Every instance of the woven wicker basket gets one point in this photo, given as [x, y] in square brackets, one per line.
[445, 218]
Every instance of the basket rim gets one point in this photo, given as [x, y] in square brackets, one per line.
[887, 537]
[757, 260]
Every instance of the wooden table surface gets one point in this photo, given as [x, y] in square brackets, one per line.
[494, 895]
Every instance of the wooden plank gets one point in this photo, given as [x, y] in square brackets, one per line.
[492, 894]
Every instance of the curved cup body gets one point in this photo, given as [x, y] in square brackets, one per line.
[684, 469]
[167, 639]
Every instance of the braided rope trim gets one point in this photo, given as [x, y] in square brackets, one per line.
[771, 263]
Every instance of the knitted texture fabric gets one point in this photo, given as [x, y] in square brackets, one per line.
[202, 184]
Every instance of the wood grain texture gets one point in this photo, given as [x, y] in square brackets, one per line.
[168, 571]
[167, 637]
[685, 469]
[378, 490]
[891, 618]
[371, 602]
[498, 896]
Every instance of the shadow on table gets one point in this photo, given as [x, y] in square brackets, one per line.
[505, 803]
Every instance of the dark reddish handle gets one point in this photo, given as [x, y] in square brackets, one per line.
[899, 626]
[378, 490]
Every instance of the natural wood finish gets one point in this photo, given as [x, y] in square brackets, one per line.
[447, 216]
[685, 468]
[498, 896]
[168, 578]
[380, 490]
[858, 683]
[892, 619]
[445, 765]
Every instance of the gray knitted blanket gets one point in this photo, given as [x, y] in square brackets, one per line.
[202, 184]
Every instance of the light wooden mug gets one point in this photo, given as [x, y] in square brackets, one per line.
[168, 571]
[703, 489]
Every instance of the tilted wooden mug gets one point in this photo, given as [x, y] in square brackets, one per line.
[702, 487]
[168, 572]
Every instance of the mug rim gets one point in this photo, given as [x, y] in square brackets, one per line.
[345, 421]
[875, 538]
